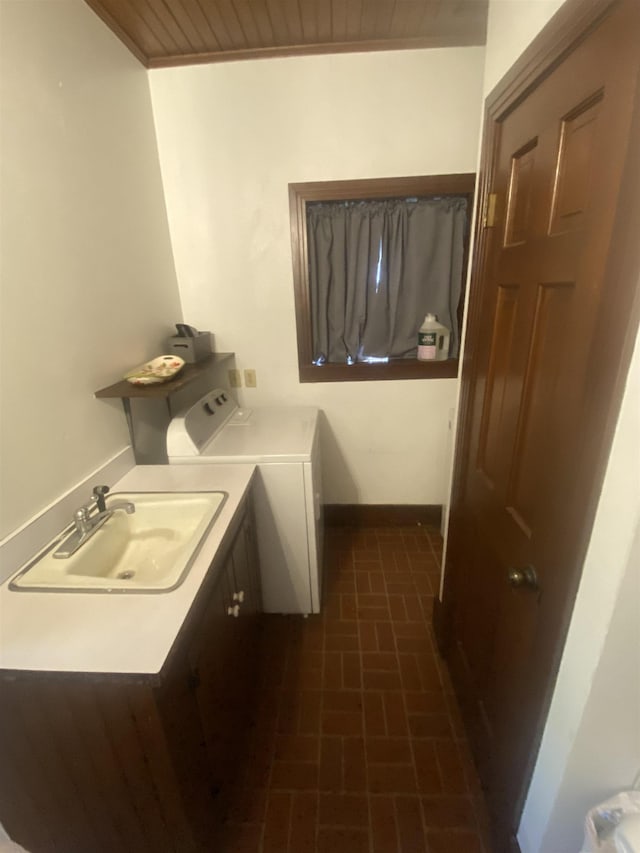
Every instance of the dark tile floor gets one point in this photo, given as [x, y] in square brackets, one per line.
[358, 746]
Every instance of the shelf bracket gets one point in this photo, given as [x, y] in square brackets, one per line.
[126, 405]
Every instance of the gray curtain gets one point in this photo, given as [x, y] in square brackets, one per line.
[376, 268]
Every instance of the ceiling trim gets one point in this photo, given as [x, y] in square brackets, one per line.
[311, 50]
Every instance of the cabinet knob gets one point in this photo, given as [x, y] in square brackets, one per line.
[239, 596]
[234, 611]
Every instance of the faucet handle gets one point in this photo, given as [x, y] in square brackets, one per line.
[81, 521]
[99, 493]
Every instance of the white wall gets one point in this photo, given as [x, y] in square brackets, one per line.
[511, 27]
[591, 743]
[590, 746]
[599, 755]
[231, 137]
[88, 284]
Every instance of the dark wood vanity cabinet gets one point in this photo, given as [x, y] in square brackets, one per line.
[138, 764]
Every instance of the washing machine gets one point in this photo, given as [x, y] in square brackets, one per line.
[284, 444]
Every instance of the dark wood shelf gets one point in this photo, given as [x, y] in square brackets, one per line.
[188, 374]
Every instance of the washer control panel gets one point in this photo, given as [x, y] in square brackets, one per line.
[190, 431]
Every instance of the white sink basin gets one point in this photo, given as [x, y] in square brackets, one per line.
[148, 551]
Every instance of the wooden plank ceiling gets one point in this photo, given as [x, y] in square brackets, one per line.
[182, 32]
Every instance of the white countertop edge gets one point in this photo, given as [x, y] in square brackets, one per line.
[117, 633]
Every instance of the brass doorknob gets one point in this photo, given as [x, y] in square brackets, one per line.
[523, 578]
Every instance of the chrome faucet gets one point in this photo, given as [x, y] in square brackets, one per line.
[87, 524]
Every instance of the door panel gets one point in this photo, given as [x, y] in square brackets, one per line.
[571, 192]
[520, 198]
[558, 157]
[541, 399]
[499, 401]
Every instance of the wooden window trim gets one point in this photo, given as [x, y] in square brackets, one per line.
[371, 188]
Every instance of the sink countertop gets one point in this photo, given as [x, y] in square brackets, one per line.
[111, 632]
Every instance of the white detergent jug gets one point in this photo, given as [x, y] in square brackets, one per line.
[433, 340]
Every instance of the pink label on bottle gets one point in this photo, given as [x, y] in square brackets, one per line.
[426, 353]
[427, 346]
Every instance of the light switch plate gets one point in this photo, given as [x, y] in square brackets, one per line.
[250, 379]
[235, 379]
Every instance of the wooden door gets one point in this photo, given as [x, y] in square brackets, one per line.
[544, 333]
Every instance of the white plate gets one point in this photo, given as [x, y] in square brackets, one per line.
[157, 370]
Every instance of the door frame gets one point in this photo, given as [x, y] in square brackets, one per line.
[571, 24]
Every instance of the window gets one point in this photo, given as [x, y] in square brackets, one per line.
[371, 258]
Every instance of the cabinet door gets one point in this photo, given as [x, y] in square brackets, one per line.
[244, 579]
[223, 656]
[210, 649]
[244, 575]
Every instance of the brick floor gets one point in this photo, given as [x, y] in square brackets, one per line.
[357, 746]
